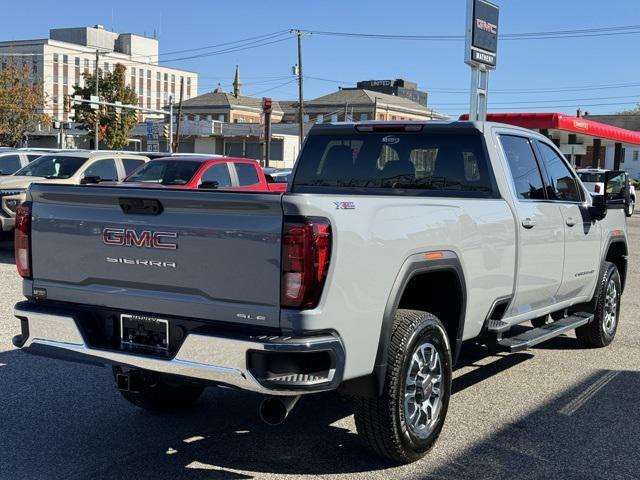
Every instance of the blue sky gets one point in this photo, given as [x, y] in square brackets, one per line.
[437, 66]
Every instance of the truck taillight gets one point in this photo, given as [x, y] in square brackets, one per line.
[597, 188]
[23, 240]
[306, 250]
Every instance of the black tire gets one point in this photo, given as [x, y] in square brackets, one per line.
[629, 210]
[600, 332]
[381, 421]
[157, 395]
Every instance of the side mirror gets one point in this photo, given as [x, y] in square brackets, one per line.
[269, 178]
[89, 179]
[616, 190]
[208, 184]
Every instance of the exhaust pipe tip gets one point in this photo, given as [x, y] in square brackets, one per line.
[275, 410]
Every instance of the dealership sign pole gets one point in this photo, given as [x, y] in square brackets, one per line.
[481, 47]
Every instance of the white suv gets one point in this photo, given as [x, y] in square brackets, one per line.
[69, 167]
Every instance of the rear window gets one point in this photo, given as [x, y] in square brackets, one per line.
[397, 163]
[591, 177]
[9, 164]
[165, 172]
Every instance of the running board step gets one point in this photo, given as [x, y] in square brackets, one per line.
[497, 326]
[546, 332]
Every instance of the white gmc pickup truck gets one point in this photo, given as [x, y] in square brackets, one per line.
[393, 244]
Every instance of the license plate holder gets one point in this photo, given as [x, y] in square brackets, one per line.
[140, 332]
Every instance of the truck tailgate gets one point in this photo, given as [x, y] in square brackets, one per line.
[208, 255]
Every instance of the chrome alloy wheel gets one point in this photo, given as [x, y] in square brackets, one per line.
[610, 308]
[422, 397]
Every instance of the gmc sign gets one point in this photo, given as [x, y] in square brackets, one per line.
[128, 237]
[482, 33]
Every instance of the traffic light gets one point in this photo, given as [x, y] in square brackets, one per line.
[165, 131]
[67, 103]
[117, 115]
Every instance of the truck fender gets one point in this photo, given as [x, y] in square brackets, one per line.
[373, 384]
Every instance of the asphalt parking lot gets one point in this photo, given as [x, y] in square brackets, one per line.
[557, 411]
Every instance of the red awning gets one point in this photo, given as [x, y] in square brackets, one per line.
[560, 121]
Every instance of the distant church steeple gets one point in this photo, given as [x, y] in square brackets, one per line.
[236, 83]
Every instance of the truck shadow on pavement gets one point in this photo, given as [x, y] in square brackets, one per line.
[7, 255]
[588, 432]
[64, 420]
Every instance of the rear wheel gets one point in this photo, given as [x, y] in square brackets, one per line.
[405, 421]
[151, 392]
[602, 330]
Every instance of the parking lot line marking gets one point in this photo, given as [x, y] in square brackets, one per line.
[573, 406]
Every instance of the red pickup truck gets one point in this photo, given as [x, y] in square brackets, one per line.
[192, 172]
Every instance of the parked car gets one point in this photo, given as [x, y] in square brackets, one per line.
[203, 172]
[393, 245]
[13, 160]
[281, 176]
[593, 180]
[70, 167]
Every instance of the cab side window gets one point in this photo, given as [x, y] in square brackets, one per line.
[105, 169]
[527, 179]
[218, 173]
[562, 183]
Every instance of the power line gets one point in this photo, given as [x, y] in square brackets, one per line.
[241, 48]
[529, 102]
[196, 49]
[548, 108]
[254, 94]
[575, 33]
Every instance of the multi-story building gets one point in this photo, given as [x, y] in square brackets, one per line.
[398, 87]
[358, 104]
[230, 107]
[58, 62]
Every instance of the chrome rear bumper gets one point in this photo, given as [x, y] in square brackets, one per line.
[216, 359]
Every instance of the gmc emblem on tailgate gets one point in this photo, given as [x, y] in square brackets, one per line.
[128, 237]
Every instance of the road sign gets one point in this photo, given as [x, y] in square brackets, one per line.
[94, 102]
[481, 41]
[481, 47]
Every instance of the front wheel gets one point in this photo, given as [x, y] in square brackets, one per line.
[156, 394]
[405, 421]
[630, 208]
[602, 329]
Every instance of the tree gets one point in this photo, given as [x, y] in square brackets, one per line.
[22, 102]
[113, 127]
[633, 111]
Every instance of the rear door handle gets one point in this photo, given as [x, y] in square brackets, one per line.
[528, 222]
[571, 221]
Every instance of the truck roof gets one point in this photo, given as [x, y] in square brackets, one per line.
[396, 125]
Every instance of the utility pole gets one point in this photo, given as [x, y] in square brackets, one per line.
[170, 141]
[179, 120]
[96, 125]
[300, 90]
